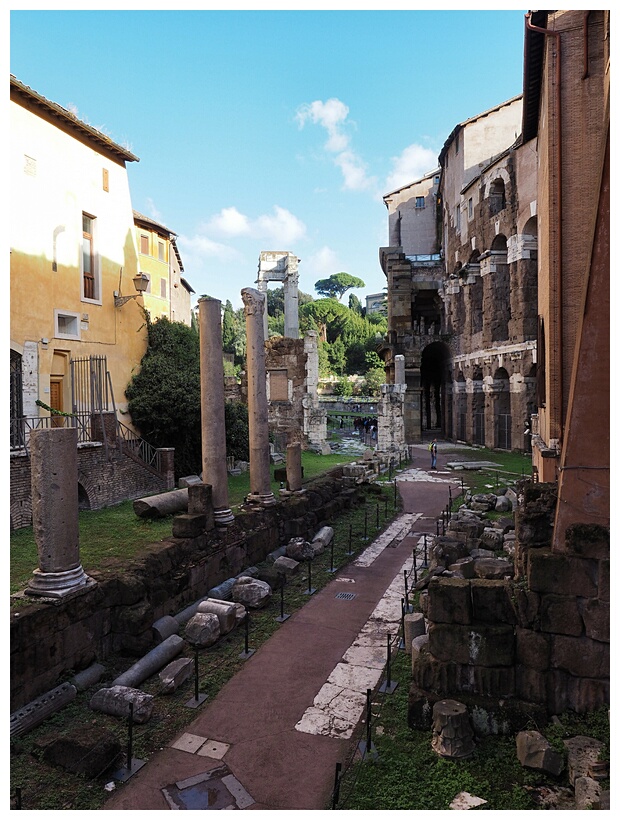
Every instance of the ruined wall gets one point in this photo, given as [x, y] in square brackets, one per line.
[285, 361]
[535, 645]
[47, 642]
[102, 482]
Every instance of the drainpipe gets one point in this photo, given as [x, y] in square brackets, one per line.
[558, 276]
[585, 74]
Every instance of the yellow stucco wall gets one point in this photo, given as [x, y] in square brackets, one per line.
[56, 177]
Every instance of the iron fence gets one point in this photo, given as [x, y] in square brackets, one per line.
[503, 434]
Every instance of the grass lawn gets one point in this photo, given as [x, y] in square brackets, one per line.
[116, 532]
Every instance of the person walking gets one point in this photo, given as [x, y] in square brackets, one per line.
[433, 448]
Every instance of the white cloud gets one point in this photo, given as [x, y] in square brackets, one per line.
[280, 227]
[229, 222]
[332, 116]
[153, 212]
[413, 163]
[196, 249]
[324, 261]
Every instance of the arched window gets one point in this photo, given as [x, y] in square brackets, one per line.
[497, 196]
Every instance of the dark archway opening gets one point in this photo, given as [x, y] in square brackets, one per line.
[433, 377]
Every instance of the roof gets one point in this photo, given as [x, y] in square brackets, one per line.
[187, 285]
[415, 182]
[64, 118]
[152, 223]
[532, 73]
[462, 125]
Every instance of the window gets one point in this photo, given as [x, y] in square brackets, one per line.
[278, 385]
[436, 180]
[419, 202]
[67, 325]
[470, 208]
[163, 289]
[161, 251]
[144, 244]
[89, 280]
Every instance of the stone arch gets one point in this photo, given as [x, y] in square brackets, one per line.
[476, 293]
[502, 409]
[87, 492]
[433, 376]
[500, 289]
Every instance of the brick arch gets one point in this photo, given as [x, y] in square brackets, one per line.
[89, 491]
[20, 513]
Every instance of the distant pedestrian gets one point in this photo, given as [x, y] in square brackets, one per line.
[433, 448]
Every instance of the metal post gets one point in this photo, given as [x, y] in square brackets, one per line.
[415, 567]
[401, 645]
[130, 738]
[196, 676]
[385, 514]
[336, 793]
[406, 591]
[389, 685]
[331, 564]
[368, 718]
[247, 653]
[377, 522]
[310, 590]
[282, 616]
[425, 565]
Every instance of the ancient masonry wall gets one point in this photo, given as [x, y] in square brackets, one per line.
[103, 482]
[530, 647]
[117, 616]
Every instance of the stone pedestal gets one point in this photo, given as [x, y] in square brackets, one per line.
[212, 408]
[399, 369]
[391, 419]
[258, 423]
[54, 481]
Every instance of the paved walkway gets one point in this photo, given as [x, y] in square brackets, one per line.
[273, 735]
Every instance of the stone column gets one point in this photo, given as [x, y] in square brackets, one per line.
[263, 286]
[255, 304]
[399, 369]
[293, 467]
[213, 423]
[291, 298]
[54, 482]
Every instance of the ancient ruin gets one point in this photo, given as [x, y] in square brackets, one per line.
[281, 266]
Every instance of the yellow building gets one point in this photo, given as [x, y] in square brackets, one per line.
[167, 292]
[76, 323]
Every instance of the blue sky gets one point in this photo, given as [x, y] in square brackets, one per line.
[272, 130]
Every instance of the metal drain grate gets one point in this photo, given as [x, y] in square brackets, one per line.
[346, 596]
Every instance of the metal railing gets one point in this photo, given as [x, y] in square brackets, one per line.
[132, 444]
[22, 427]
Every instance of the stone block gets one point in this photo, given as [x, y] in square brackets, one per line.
[486, 645]
[38, 710]
[533, 649]
[464, 567]
[492, 601]
[530, 685]
[87, 750]
[420, 709]
[534, 752]
[223, 610]
[603, 580]
[449, 601]
[175, 674]
[88, 677]
[560, 615]
[414, 627]
[286, 565]
[492, 538]
[251, 592]
[588, 540]
[189, 481]
[596, 620]
[203, 629]
[580, 657]
[567, 692]
[188, 526]
[493, 568]
[581, 752]
[587, 794]
[165, 627]
[549, 572]
[152, 662]
[116, 701]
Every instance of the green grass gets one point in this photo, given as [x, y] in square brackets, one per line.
[43, 787]
[510, 468]
[407, 774]
[116, 532]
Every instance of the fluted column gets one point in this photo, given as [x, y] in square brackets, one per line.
[255, 304]
[213, 424]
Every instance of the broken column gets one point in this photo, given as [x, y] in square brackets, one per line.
[293, 467]
[213, 422]
[291, 298]
[315, 416]
[399, 369]
[260, 477]
[54, 481]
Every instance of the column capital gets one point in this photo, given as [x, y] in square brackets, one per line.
[253, 301]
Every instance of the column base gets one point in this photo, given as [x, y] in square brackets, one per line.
[223, 517]
[264, 499]
[59, 584]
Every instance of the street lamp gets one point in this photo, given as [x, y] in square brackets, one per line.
[141, 283]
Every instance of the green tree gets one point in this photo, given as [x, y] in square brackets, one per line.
[343, 387]
[228, 328]
[164, 397]
[355, 305]
[338, 356]
[374, 379]
[338, 284]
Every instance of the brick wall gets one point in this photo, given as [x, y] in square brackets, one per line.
[101, 482]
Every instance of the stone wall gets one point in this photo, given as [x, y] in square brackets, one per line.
[534, 646]
[48, 641]
[101, 482]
